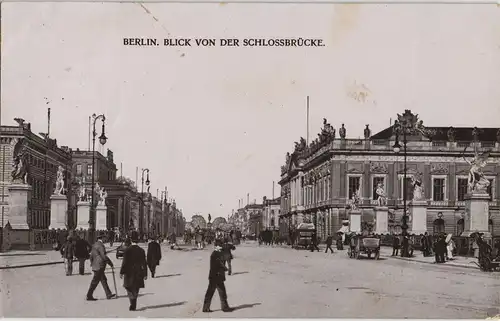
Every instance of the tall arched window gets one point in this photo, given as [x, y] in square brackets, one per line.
[490, 226]
[460, 226]
[272, 221]
[438, 226]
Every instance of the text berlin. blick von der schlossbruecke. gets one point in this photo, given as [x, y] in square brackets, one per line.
[226, 42]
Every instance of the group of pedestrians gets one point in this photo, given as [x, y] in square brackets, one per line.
[135, 265]
[133, 271]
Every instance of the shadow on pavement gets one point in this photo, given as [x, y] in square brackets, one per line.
[126, 296]
[159, 306]
[372, 258]
[237, 273]
[245, 306]
[166, 275]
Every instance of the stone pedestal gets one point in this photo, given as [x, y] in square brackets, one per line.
[19, 196]
[476, 214]
[355, 221]
[419, 217]
[100, 217]
[83, 215]
[58, 211]
[381, 220]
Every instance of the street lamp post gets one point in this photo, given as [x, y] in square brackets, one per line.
[406, 125]
[144, 170]
[102, 139]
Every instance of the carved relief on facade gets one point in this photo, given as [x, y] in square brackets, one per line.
[378, 167]
[355, 168]
[439, 168]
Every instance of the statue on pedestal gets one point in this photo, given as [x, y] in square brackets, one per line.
[477, 182]
[382, 198]
[355, 200]
[20, 163]
[82, 195]
[418, 191]
[59, 190]
[101, 193]
[102, 197]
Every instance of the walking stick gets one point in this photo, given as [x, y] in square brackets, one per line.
[114, 282]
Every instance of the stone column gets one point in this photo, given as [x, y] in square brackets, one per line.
[476, 214]
[355, 221]
[83, 215]
[100, 217]
[419, 217]
[58, 211]
[19, 196]
[381, 220]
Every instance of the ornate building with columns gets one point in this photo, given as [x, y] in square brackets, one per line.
[43, 159]
[319, 179]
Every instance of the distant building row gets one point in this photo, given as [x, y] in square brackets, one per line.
[126, 207]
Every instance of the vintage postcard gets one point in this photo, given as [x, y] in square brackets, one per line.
[250, 160]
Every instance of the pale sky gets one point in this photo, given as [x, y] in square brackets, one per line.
[214, 124]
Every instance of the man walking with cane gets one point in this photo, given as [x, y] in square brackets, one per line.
[134, 270]
[98, 261]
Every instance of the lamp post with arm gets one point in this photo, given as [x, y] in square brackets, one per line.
[406, 125]
[141, 221]
[102, 139]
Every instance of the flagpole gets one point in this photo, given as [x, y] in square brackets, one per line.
[307, 140]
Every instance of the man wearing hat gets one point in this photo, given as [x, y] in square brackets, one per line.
[134, 270]
[216, 278]
[98, 261]
[68, 253]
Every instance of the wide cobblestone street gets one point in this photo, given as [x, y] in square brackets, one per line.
[267, 282]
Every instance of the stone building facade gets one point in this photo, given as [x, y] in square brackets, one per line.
[105, 174]
[318, 180]
[271, 212]
[43, 158]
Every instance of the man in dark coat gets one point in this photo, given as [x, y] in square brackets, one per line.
[440, 249]
[228, 256]
[395, 245]
[314, 243]
[82, 253]
[98, 261]
[153, 256]
[216, 278]
[329, 242]
[68, 253]
[340, 244]
[134, 270]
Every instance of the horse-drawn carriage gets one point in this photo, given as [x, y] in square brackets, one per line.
[364, 245]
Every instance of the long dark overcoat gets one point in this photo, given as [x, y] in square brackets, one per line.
[134, 268]
[154, 254]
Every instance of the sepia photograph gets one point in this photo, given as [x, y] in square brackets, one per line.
[250, 159]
